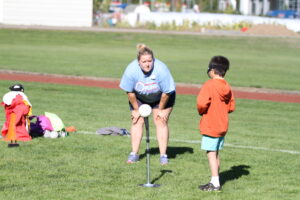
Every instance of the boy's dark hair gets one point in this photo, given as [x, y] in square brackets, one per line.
[220, 64]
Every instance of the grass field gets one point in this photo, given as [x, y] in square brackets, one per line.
[255, 62]
[260, 159]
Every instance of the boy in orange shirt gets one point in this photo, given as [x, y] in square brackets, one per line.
[214, 101]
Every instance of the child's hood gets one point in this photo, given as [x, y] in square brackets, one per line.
[223, 89]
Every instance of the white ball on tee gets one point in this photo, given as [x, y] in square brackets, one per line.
[145, 110]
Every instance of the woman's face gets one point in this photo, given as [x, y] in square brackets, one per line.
[146, 62]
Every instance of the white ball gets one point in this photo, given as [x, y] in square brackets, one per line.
[145, 110]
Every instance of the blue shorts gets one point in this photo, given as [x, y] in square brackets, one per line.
[212, 143]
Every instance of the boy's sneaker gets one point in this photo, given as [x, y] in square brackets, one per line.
[164, 160]
[132, 158]
[209, 187]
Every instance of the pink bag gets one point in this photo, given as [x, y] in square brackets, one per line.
[39, 125]
[45, 123]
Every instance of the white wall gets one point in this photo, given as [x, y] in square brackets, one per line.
[208, 18]
[47, 12]
[1, 11]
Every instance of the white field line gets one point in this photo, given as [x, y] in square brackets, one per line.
[228, 145]
[199, 141]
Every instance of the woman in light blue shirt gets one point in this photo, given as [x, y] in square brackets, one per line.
[147, 80]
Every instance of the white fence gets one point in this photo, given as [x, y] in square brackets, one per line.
[47, 12]
[208, 18]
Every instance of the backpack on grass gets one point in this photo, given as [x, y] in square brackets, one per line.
[38, 125]
[56, 122]
[48, 125]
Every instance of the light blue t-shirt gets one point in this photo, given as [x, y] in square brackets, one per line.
[148, 87]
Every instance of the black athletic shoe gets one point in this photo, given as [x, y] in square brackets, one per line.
[209, 187]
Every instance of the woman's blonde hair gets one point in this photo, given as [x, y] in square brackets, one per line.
[143, 50]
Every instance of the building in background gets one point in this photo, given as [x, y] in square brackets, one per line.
[274, 8]
[78, 13]
[81, 13]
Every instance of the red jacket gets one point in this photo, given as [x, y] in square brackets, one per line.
[214, 101]
[21, 110]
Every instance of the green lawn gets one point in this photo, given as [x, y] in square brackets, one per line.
[255, 61]
[88, 166]
[256, 163]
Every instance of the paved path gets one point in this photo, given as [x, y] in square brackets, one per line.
[185, 89]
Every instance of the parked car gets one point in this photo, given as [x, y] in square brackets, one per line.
[284, 14]
[116, 5]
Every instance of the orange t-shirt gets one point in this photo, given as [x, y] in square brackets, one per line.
[214, 101]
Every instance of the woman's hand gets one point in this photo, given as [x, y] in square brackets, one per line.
[135, 116]
[163, 115]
